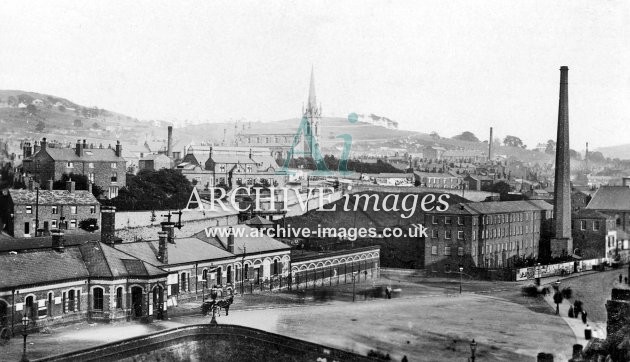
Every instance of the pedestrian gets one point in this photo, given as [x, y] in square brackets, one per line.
[404, 359]
[388, 292]
[625, 280]
[584, 316]
[620, 278]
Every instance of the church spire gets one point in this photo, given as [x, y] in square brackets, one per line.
[312, 101]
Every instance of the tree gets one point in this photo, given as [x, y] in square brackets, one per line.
[596, 156]
[78, 123]
[62, 108]
[575, 155]
[31, 109]
[95, 125]
[12, 101]
[80, 183]
[466, 136]
[551, 147]
[557, 298]
[512, 141]
[40, 126]
[435, 136]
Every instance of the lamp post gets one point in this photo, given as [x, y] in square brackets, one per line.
[354, 277]
[473, 348]
[461, 269]
[25, 322]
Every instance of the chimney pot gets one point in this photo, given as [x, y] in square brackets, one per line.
[230, 243]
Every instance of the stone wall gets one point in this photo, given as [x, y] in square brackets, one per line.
[210, 343]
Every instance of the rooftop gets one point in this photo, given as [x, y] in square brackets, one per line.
[52, 197]
[610, 198]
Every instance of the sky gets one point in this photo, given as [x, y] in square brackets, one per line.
[445, 66]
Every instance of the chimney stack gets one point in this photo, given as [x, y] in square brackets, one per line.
[85, 146]
[89, 187]
[230, 243]
[169, 146]
[79, 149]
[70, 186]
[163, 247]
[562, 244]
[58, 242]
[490, 146]
[43, 144]
[35, 148]
[108, 224]
[50, 184]
[118, 149]
[169, 227]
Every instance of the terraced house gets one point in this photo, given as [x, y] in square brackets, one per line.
[104, 167]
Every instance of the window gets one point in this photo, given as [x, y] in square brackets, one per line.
[595, 225]
[222, 168]
[91, 176]
[70, 165]
[460, 235]
[434, 250]
[460, 251]
[91, 165]
[98, 298]
[447, 250]
[448, 234]
[73, 223]
[249, 168]
[114, 177]
[448, 220]
[184, 282]
[54, 209]
[460, 220]
[73, 209]
[113, 165]
[64, 309]
[246, 272]
[93, 209]
[434, 233]
[71, 301]
[29, 209]
[49, 304]
[53, 224]
[434, 220]
[119, 297]
[275, 267]
[113, 191]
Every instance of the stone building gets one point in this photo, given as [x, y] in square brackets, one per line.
[438, 180]
[104, 167]
[484, 234]
[25, 211]
[231, 166]
[155, 162]
[60, 284]
[594, 234]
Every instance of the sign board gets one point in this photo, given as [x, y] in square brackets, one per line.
[41, 303]
[171, 279]
[19, 306]
[150, 309]
[57, 300]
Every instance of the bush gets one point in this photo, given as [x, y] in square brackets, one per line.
[571, 315]
[567, 293]
[529, 291]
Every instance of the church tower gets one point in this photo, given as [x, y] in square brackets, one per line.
[312, 114]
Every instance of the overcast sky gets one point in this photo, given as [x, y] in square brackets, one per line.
[444, 66]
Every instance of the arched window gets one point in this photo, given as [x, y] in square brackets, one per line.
[98, 299]
[246, 271]
[275, 267]
[205, 277]
[71, 300]
[49, 304]
[119, 297]
[30, 308]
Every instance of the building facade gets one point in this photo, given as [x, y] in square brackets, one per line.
[104, 167]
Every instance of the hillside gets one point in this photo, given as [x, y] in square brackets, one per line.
[620, 151]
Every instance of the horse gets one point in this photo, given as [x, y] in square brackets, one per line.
[206, 307]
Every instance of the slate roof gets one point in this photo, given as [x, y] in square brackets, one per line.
[495, 207]
[40, 267]
[104, 261]
[610, 198]
[258, 220]
[44, 242]
[589, 214]
[254, 243]
[153, 156]
[53, 197]
[185, 250]
[89, 154]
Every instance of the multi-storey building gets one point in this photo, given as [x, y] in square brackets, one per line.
[232, 166]
[484, 234]
[25, 211]
[594, 234]
[438, 180]
[104, 167]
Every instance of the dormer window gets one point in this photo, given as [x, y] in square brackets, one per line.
[70, 165]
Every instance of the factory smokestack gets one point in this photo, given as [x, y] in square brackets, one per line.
[562, 242]
[490, 146]
[169, 146]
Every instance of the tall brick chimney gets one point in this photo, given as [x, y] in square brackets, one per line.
[43, 144]
[230, 243]
[562, 242]
[58, 242]
[490, 146]
[163, 247]
[169, 146]
[35, 148]
[108, 224]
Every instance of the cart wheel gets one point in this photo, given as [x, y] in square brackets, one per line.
[5, 335]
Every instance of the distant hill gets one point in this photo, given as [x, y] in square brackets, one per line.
[620, 151]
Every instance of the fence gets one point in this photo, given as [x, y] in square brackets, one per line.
[560, 269]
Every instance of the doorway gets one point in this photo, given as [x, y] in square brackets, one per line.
[158, 301]
[136, 302]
